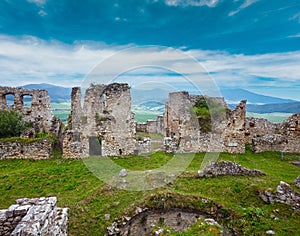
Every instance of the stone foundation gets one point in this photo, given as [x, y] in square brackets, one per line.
[269, 143]
[284, 194]
[32, 217]
[26, 149]
[226, 168]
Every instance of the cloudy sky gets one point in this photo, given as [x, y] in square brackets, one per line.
[250, 44]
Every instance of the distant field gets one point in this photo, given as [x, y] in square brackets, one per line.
[62, 111]
[275, 117]
[143, 116]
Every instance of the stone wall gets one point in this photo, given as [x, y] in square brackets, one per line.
[152, 126]
[38, 216]
[104, 126]
[226, 168]
[284, 194]
[39, 113]
[182, 126]
[283, 137]
[26, 149]
[258, 127]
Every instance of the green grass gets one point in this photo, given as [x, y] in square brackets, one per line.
[89, 199]
[143, 116]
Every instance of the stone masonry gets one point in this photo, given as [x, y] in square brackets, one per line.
[258, 127]
[284, 137]
[226, 168]
[32, 217]
[284, 194]
[39, 113]
[41, 149]
[182, 127]
[104, 126]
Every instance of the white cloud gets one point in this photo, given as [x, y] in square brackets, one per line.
[39, 3]
[296, 17]
[42, 13]
[32, 60]
[294, 36]
[246, 4]
[196, 3]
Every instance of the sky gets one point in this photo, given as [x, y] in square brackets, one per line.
[249, 44]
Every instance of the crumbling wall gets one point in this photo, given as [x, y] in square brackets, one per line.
[104, 126]
[291, 129]
[226, 168]
[283, 137]
[258, 127]
[182, 127]
[152, 126]
[26, 149]
[284, 194]
[39, 113]
[37, 216]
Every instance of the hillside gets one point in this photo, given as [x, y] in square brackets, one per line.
[57, 94]
[153, 100]
[233, 96]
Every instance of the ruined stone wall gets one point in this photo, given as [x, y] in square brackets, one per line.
[39, 113]
[160, 125]
[38, 216]
[258, 127]
[283, 137]
[182, 126]
[27, 149]
[234, 140]
[291, 129]
[106, 118]
[151, 126]
[284, 194]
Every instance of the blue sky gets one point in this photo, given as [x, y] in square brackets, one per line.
[250, 44]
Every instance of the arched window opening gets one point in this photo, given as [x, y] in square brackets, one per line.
[10, 100]
[27, 101]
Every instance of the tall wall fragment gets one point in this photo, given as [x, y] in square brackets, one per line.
[39, 112]
[104, 126]
[284, 136]
[182, 126]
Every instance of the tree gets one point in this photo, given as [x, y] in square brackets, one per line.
[12, 124]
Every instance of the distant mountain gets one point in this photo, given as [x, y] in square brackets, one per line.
[233, 96]
[154, 99]
[57, 94]
[292, 107]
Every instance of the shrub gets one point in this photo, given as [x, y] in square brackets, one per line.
[12, 124]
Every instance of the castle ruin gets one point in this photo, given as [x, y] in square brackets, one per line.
[105, 124]
[38, 112]
[102, 123]
[183, 128]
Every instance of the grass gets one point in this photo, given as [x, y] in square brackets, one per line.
[89, 199]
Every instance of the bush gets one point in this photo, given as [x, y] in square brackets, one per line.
[205, 110]
[12, 124]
